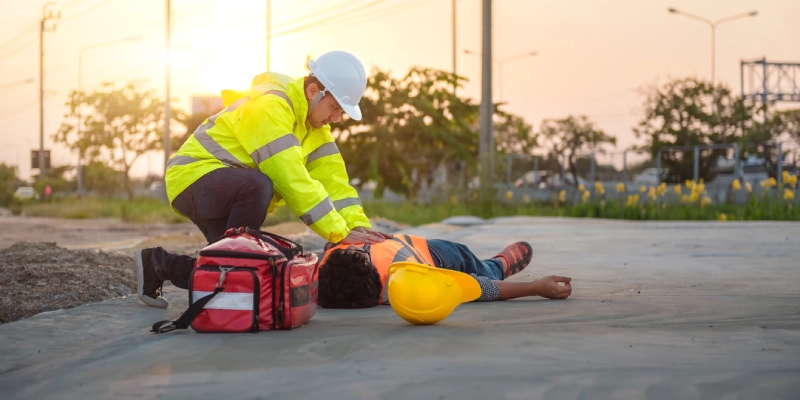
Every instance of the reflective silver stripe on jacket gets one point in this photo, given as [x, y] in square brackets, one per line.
[274, 147]
[350, 201]
[211, 145]
[326, 149]
[180, 160]
[317, 212]
[218, 151]
[385, 293]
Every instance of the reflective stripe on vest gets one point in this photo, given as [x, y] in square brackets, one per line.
[224, 155]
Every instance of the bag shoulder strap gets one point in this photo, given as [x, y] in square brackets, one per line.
[187, 317]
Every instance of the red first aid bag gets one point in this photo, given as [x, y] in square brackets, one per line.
[249, 281]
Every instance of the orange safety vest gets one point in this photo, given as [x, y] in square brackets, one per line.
[398, 248]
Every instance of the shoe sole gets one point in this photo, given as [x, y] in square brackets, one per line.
[158, 302]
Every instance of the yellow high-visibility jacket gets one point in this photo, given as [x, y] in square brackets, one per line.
[265, 127]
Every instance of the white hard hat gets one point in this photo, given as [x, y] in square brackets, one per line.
[344, 77]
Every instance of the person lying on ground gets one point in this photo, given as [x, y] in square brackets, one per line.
[355, 276]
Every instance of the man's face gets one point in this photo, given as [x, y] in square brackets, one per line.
[327, 110]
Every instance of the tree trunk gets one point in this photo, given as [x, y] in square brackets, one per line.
[128, 187]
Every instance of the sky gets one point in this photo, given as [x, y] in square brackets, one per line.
[593, 56]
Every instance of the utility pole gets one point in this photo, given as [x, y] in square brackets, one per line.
[455, 82]
[486, 142]
[269, 31]
[47, 15]
[167, 106]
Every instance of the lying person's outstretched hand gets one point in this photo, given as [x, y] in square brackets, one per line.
[549, 287]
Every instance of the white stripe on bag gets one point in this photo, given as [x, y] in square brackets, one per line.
[226, 301]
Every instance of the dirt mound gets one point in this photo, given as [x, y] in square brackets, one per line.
[40, 276]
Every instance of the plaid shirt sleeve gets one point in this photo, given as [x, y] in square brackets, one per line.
[489, 291]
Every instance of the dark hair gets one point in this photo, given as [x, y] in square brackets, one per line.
[349, 280]
[312, 79]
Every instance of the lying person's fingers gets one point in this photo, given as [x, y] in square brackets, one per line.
[564, 279]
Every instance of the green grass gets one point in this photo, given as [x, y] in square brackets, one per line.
[149, 210]
[142, 209]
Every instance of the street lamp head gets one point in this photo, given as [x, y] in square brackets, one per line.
[672, 10]
[533, 54]
[468, 51]
[753, 13]
[134, 38]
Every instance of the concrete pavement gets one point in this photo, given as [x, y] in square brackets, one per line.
[660, 310]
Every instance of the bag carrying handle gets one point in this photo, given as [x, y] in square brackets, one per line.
[288, 248]
[188, 316]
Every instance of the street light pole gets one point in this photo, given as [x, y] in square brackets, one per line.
[46, 16]
[269, 31]
[486, 142]
[713, 26]
[500, 67]
[80, 90]
[167, 73]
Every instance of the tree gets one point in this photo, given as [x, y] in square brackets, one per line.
[8, 181]
[414, 125]
[100, 178]
[688, 112]
[409, 127]
[573, 136]
[119, 125]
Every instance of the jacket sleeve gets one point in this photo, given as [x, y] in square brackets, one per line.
[266, 133]
[326, 165]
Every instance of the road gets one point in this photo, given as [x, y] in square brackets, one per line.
[660, 310]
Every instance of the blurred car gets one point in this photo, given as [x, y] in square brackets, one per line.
[754, 173]
[649, 177]
[532, 179]
[555, 181]
[547, 179]
[25, 193]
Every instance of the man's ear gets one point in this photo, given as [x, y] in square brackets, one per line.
[311, 91]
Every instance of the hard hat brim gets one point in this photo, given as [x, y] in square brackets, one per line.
[353, 112]
[470, 289]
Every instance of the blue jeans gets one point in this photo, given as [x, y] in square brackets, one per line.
[457, 257]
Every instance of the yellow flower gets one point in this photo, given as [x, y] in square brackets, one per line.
[585, 196]
[509, 195]
[700, 188]
[526, 199]
[632, 200]
[765, 183]
[723, 217]
[748, 187]
[652, 193]
[453, 200]
[599, 187]
[694, 196]
[785, 176]
[620, 187]
[689, 183]
[792, 180]
[685, 199]
[772, 182]
[677, 188]
[736, 185]
[642, 189]
[580, 187]
[562, 196]
[662, 188]
[706, 200]
[788, 194]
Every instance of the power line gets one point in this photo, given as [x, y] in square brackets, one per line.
[344, 13]
[18, 49]
[357, 19]
[17, 36]
[17, 83]
[88, 10]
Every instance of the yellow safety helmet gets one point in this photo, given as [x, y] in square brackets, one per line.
[424, 295]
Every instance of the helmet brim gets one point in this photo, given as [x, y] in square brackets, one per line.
[470, 289]
[353, 112]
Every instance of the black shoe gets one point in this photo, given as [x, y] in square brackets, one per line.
[150, 279]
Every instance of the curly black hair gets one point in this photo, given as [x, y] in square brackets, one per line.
[349, 280]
